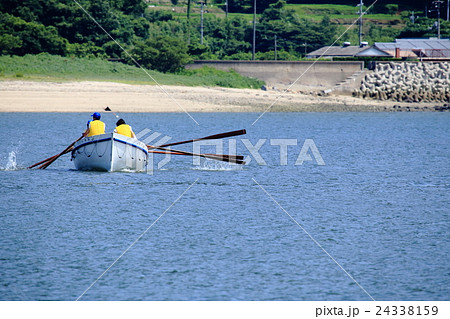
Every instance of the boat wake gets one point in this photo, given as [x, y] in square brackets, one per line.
[212, 165]
[12, 162]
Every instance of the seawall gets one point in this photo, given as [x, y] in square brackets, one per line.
[296, 75]
[395, 81]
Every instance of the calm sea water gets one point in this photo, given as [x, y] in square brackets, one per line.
[379, 208]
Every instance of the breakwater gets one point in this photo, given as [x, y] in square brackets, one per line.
[407, 82]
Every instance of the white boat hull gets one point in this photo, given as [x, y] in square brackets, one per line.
[110, 153]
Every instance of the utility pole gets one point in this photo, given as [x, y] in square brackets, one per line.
[226, 8]
[275, 47]
[437, 5]
[254, 30]
[188, 21]
[360, 21]
[439, 19]
[448, 2]
[201, 22]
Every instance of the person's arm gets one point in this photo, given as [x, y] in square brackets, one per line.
[132, 133]
[87, 129]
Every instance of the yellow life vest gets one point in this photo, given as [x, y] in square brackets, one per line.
[124, 129]
[96, 127]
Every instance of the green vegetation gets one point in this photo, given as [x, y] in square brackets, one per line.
[164, 54]
[424, 27]
[166, 37]
[45, 67]
[342, 16]
[320, 10]
[63, 27]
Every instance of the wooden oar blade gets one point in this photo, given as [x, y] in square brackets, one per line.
[41, 162]
[48, 159]
[67, 150]
[237, 159]
[223, 135]
[224, 159]
[53, 158]
[234, 158]
[166, 152]
[211, 137]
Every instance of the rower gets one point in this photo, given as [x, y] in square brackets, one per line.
[95, 127]
[124, 129]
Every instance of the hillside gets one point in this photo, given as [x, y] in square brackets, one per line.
[382, 23]
[160, 34]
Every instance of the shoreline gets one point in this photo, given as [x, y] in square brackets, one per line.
[87, 96]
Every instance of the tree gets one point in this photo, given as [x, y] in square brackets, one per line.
[392, 8]
[8, 43]
[246, 6]
[133, 7]
[291, 32]
[164, 54]
[425, 27]
[120, 18]
[158, 15]
[226, 36]
[31, 37]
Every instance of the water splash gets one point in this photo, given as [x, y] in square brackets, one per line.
[212, 165]
[12, 162]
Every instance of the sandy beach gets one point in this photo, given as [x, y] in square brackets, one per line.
[28, 96]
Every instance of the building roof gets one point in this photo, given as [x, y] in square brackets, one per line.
[347, 51]
[420, 47]
[408, 44]
[330, 51]
[373, 51]
[437, 48]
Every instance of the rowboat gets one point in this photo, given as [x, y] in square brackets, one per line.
[110, 152]
[115, 152]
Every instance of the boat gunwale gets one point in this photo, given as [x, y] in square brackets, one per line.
[107, 139]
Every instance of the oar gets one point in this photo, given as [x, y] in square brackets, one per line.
[43, 166]
[211, 137]
[46, 160]
[163, 152]
[174, 152]
[218, 157]
[238, 157]
[177, 152]
[62, 153]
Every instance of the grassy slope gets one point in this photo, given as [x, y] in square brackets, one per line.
[341, 14]
[46, 67]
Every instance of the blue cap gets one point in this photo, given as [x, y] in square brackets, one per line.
[96, 115]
